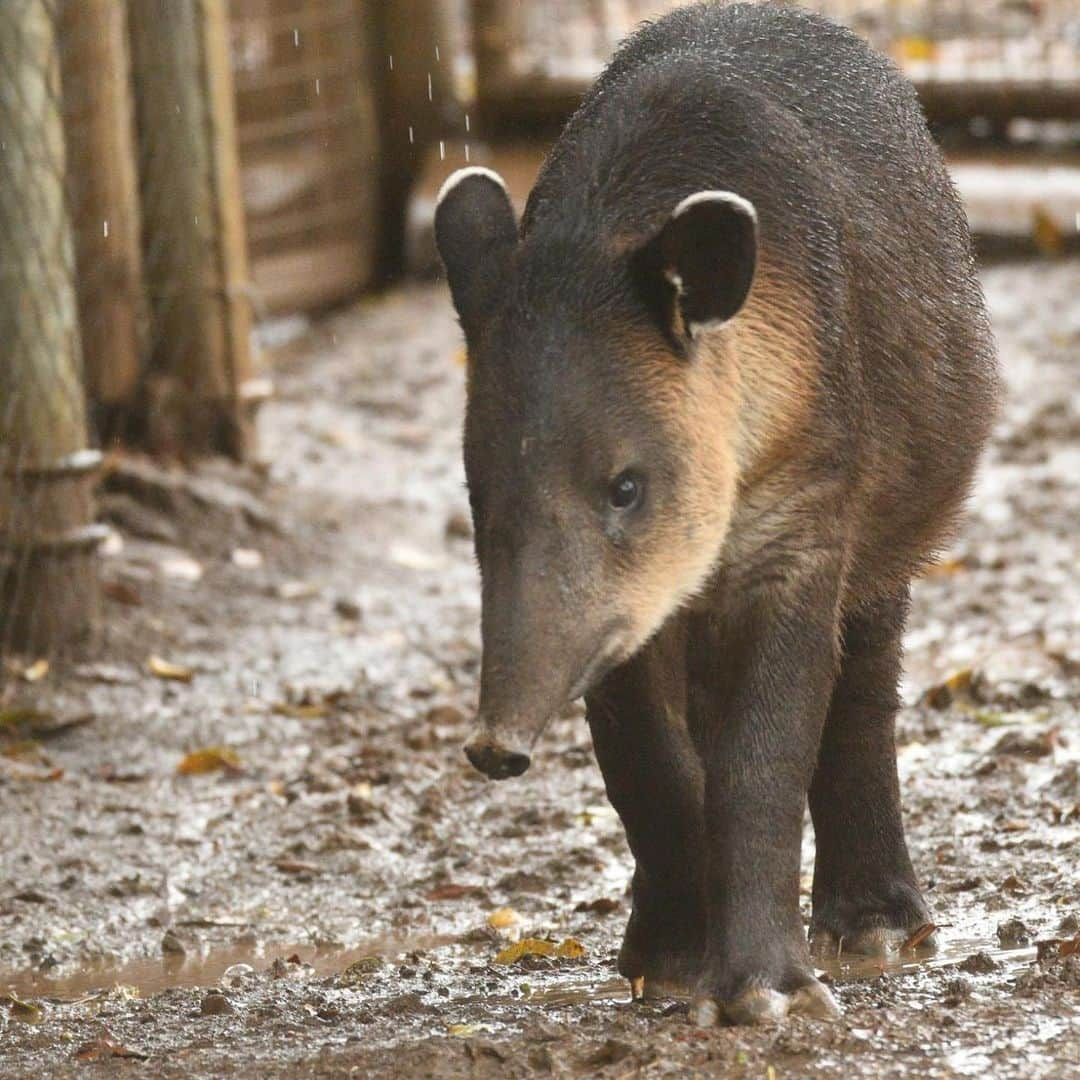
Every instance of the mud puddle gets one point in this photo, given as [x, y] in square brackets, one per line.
[150, 976]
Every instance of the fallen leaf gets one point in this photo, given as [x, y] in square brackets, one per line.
[105, 1046]
[569, 949]
[36, 671]
[503, 918]
[1046, 232]
[1070, 947]
[295, 866]
[28, 1012]
[955, 687]
[452, 891]
[11, 719]
[310, 711]
[165, 669]
[461, 1031]
[122, 593]
[918, 937]
[602, 905]
[210, 759]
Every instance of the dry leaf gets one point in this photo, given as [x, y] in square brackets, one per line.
[918, 937]
[955, 687]
[569, 949]
[164, 669]
[453, 892]
[311, 711]
[461, 1031]
[210, 759]
[503, 918]
[105, 1046]
[29, 1012]
[1046, 232]
[36, 671]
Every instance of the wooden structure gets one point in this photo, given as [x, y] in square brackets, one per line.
[201, 376]
[103, 193]
[966, 58]
[308, 148]
[48, 583]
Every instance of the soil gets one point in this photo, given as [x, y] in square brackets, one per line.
[264, 854]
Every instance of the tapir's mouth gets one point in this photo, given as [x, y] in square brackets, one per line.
[608, 655]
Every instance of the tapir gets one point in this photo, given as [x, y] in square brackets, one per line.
[728, 382]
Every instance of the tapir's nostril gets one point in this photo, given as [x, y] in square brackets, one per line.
[495, 761]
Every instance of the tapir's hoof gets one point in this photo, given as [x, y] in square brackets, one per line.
[872, 941]
[763, 1005]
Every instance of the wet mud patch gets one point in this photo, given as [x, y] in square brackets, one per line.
[267, 855]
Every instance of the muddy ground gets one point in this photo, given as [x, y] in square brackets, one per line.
[320, 900]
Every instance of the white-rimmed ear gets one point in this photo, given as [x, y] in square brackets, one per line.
[698, 270]
[476, 233]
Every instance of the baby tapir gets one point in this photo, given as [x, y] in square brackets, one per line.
[728, 381]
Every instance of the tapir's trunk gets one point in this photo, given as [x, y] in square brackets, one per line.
[541, 651]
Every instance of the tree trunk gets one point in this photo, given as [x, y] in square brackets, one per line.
[201, 384]
[103, 185]
[48, 568]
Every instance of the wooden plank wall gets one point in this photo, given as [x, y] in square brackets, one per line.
[308, 149]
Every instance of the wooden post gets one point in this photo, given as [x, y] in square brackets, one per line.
[48, 569]
[201, 384]
[103, 185]
[412, 65]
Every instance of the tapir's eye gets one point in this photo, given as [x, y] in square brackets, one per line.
[625, 491]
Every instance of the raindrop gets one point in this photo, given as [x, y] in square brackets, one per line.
[466, 153]
[442, 150]
[296, 37]
[391, 55]
[410, 134]
[429, 86]
[436, 54]
[105, 229]
[466, 121]
[318, 88]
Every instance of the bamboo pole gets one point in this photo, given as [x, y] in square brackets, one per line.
[195, 251]
[48, 570]
[103, 182]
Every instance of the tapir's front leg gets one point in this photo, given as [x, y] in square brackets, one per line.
[761, 672]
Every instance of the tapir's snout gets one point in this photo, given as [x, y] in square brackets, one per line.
[494, 760]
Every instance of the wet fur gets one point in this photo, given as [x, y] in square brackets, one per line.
[829, 434]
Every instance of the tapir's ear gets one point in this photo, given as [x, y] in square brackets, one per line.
[697, 271]
[475, 233]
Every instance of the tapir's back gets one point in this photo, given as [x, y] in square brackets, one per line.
[828, 140]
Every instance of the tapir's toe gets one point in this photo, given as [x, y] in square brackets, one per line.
[764, 1005]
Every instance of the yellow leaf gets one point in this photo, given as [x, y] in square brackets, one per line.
[311, 711]
[568, 950]
[209, 759]
[915, 48]
[461, 1031]
[36, 671]
[503, 918]
[1046, 232]
[163, 669]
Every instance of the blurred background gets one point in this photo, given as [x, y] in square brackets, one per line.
[177, 174]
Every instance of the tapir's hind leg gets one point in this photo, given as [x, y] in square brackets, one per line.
[865, 896]
[654, 781]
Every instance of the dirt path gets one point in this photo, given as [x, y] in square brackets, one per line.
[319, 903]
